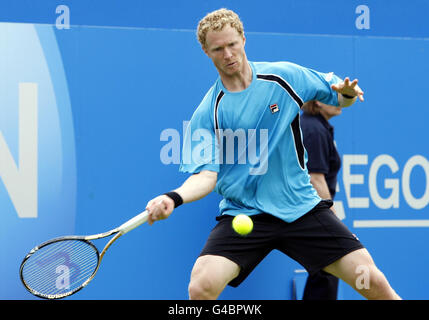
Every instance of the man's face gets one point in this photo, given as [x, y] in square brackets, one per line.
[226, 49]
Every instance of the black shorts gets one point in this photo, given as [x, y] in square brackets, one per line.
[315, 240]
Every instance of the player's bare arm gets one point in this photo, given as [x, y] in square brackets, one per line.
[197, 186]
[348, 92]
[319, 183]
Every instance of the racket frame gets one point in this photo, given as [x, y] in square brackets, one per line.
[117, 232]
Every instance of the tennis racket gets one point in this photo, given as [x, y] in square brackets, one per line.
[62, 266]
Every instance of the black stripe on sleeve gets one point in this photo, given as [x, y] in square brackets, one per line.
[297, 137]
[283, 84]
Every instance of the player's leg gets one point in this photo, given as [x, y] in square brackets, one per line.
[210, 275]
[228, 258]
[358, 269]
[319, 240]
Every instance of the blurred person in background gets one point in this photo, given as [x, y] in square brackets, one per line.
[323, 165]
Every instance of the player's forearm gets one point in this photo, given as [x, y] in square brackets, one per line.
[319, 183]
[197, 186]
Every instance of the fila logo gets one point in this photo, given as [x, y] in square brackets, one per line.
[274, 108]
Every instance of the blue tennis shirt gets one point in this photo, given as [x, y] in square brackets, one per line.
[253, 140]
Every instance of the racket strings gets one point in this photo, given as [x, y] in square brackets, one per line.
[60, 267]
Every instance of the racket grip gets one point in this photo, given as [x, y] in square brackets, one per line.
[134, 222]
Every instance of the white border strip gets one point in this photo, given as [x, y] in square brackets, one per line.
[389, 223]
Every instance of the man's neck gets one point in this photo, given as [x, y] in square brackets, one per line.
[239, 81]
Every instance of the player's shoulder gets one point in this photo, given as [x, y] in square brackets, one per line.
[280, 68]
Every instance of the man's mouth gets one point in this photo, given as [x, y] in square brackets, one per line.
[232, 64]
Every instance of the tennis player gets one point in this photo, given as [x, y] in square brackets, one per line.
[263, 100]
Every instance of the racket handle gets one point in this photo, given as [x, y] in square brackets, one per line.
[134, 222]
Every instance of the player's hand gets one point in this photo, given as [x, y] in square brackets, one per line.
[159, 208]
[349, 88]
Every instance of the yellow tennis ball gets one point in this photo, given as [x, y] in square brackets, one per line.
[242, 224]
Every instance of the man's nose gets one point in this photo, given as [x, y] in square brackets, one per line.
[227, 54]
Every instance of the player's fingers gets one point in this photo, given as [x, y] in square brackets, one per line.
[335, 87]
[151, 207]
[354, 83]
[149, 204]
[153, 215]
[159, 208]
[160, 204]
[347, 81]
[162, 208]
[359, 92]
[149, 219]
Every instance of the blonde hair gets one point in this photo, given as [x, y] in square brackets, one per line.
[216, 21]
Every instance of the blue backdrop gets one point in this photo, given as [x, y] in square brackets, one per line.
[112, 84]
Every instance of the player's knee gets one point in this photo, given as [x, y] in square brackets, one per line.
[201, 288]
